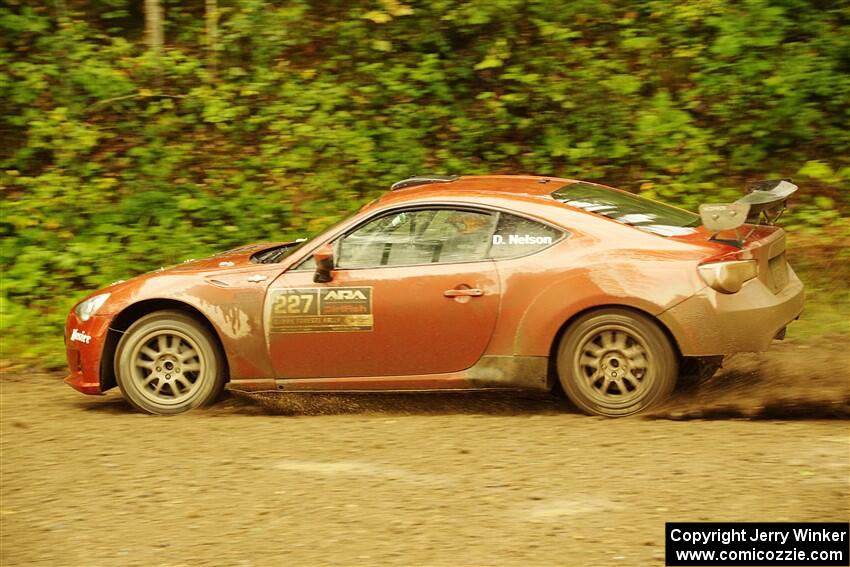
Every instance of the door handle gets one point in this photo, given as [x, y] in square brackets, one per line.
[474, 292]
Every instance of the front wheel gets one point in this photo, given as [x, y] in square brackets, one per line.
[167, 363]
[616, 362]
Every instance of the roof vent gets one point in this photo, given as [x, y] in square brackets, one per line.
[422, 180]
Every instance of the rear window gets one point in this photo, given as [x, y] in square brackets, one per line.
[516, 236]
[628, 208]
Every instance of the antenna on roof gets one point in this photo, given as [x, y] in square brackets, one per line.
[422, 180]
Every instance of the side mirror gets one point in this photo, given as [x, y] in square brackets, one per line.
[324, 258]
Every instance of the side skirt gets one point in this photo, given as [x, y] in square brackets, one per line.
[490, 372]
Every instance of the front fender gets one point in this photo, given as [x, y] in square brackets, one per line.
[229, 301]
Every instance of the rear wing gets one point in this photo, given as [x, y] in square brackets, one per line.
[765, 201]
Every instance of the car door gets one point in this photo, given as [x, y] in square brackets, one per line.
[412, 293]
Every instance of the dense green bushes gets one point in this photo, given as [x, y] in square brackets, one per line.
[115, 161]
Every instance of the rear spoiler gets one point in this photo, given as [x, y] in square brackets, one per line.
[766, 200]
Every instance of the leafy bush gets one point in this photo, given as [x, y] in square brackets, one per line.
[115, 161]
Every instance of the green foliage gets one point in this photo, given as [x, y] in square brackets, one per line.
[114, 161]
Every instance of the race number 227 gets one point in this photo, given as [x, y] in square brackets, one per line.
[300, 304]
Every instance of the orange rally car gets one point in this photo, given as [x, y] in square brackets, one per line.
[456, 283]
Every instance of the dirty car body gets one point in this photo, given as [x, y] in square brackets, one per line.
[478, 282]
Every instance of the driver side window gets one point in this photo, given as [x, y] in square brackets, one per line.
[423, 236]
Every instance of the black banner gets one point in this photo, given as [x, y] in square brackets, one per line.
[757, 543]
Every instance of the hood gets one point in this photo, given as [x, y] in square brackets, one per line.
[222, 262]
[229, 259]
[237, 257]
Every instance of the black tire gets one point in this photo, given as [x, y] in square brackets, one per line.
[616, 362]
[167, 363]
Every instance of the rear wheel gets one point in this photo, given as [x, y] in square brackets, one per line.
[167, 363]
[616, 362]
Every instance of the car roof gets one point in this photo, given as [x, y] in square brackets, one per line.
[468, 185]
[529, 195]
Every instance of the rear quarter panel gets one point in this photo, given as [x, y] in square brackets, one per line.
[601, 263]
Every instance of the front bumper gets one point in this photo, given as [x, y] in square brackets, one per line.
[84, 349]
[712, 323]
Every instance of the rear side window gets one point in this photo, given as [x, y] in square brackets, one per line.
[516, 236]
[627, 208]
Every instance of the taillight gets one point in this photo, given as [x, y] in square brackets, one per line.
[728, 277]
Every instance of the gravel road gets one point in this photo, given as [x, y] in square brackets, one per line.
[417, 480]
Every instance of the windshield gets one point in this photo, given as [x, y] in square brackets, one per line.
[278, 253]
[628, 208]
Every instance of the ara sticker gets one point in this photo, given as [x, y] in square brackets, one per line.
[321, 310]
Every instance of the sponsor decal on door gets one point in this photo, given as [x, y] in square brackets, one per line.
[321, 310]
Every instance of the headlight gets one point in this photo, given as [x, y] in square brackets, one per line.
[90, 306]
[728, 277]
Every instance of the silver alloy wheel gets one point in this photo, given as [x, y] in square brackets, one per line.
[168, 362]
[616, 361]
[613, 365]
[167, 366]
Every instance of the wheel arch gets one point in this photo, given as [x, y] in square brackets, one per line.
[556, 340]
[132, 313]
